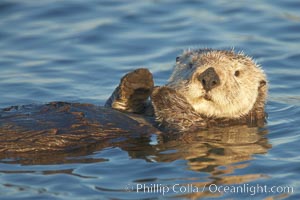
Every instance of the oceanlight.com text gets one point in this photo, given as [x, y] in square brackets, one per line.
[250, 189]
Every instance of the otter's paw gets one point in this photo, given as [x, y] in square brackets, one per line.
[173, 112]
[133, 91]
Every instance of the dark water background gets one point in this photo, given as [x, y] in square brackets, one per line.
[78, 50]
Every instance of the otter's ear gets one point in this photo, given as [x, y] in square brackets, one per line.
[173, 112]
[262, 93]
[259, 106]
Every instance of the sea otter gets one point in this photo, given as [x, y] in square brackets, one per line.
[207, 88]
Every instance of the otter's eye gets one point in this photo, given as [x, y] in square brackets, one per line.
[177, 59]
[237, 73]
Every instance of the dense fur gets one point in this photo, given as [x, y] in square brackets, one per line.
[238, 98]
[207, 88]
[240, 80]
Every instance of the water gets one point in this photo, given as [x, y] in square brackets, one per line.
[78, 50]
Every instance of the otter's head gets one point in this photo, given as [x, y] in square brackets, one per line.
[218, 83]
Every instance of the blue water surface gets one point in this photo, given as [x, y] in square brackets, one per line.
[77, 51]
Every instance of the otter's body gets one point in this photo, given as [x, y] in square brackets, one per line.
[207, 88]
[61, 126]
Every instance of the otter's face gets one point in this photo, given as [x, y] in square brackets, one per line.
[218, 83]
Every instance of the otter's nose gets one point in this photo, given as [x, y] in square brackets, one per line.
[209, 79]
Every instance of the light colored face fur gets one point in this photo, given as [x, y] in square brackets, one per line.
[238, 76]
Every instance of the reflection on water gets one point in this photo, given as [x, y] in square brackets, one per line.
[206, 150]
[217, 152]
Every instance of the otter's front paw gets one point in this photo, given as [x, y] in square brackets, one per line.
[133, 91]
[173, 112]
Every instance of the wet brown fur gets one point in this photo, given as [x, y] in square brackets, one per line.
[68, 126]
